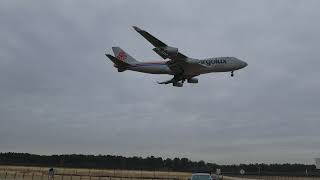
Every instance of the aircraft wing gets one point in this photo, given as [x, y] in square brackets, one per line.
[161, 48]
[178, 61]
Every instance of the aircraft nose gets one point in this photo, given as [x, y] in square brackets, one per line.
[242, 64]
[245, 64]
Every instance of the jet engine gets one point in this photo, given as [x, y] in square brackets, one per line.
[193, 80]
[171, 50]
[177, 84]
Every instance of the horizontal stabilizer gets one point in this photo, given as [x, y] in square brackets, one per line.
[121, 65]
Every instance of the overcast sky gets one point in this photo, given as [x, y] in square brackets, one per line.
[59, 94]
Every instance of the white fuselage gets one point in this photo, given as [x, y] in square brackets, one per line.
[194, 67]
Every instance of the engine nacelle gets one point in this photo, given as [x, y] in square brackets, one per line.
[193, 80]
[177, 84]
[171, 50]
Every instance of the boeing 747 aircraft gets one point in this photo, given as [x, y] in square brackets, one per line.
[180, 66]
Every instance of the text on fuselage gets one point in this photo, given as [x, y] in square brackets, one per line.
[210, 62]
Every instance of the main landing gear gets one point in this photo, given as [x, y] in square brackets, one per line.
[232, 74]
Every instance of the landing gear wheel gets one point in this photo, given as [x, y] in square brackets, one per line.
[232, 74]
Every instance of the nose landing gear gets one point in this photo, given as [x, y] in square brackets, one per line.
[232, 74]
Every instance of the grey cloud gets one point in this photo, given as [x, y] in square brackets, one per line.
[59, 94]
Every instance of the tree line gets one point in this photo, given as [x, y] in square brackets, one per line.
[139, 163]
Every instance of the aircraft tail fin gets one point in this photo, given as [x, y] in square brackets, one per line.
[123, 56]
[121, 65]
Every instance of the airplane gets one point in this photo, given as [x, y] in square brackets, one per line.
[180, 66]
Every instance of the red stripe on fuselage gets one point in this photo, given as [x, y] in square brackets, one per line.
[154, 62]
[157, 62]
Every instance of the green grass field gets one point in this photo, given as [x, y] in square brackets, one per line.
[38, 173]
[41, 173]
